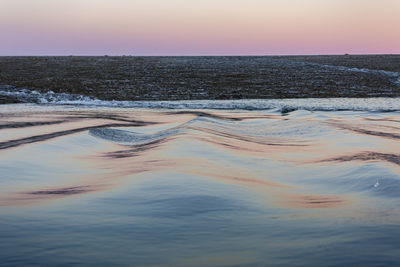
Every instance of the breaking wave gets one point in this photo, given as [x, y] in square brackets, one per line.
[373, 104]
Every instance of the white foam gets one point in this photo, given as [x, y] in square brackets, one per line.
[383, 104]
[392, 76]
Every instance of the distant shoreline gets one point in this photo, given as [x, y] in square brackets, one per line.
[204, 77]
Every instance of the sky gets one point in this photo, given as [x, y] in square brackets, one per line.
[199, 27]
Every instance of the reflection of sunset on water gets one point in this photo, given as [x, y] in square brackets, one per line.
[261, 137]
[242, 171]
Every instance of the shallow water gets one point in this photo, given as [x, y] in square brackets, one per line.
[178, 187]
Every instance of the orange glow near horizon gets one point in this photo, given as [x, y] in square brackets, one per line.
[177, 27]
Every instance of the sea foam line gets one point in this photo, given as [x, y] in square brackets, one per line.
[379, 104]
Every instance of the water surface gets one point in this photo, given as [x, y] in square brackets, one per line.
[93, 185]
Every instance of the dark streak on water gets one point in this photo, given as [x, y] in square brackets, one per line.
[136, 150]
[63, 191]
[368, 132]
[43, 137]
[30, 124]
[368, 156]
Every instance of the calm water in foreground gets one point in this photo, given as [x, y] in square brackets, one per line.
[179, 187]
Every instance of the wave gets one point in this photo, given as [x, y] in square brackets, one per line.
[392, 76]
[129, 137]
[373, 104]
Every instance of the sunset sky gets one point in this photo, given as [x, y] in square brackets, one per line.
[194, 27]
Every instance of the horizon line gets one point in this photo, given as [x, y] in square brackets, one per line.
[205, 55]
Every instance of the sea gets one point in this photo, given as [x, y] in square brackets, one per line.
[278, 182]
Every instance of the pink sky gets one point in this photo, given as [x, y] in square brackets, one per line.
[206, 27]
